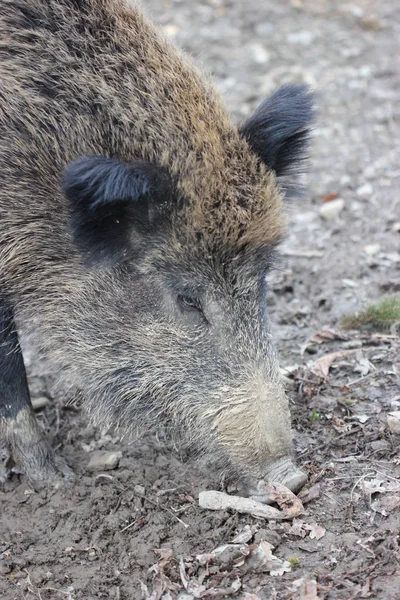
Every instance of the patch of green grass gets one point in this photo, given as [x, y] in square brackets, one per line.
[315, 416]
[294, 561]
[382, 316]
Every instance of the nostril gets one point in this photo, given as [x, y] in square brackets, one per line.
[296, 481]
[284, 471]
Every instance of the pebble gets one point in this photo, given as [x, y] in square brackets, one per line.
[267, 535]
[171, 30]
[393, 420]
[349, 283]
[365, 191]
[356, 206]
[303, 37]
[365, 71]
[370, 172]
[227, 84]
[260, 54]
[380, 445]
[264, 28]
[331, 210]
[39, 403]
[104, 461]
[372, 249]
[345, 180]
[306, 217]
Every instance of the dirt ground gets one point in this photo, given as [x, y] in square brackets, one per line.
[137, 531]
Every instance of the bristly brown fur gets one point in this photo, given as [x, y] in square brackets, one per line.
[94, 77]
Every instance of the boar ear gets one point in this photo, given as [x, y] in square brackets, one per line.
[278, 131]
[113, 204]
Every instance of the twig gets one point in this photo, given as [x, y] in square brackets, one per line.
[357, 482]
[36, 591]
[164, 508]
[128, 526]
[330, 442]
[388, 476]
[361, 378]
[302, 253]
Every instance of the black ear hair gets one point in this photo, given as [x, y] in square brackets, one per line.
[113, 204]
[279, 129]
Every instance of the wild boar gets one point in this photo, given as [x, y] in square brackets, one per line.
[137, 227]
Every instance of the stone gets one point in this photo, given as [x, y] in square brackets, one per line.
[303, 37]
[259, 53]
[40, 402]
[372, 249]
[331, 210]
[104, 461]
[365, 191]
[393, 420]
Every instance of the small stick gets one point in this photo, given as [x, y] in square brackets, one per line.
[360, 378]
[164, 508]
[328, 443]
[128, 526]
[357, 482]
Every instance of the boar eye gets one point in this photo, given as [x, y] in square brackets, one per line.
[188, 303]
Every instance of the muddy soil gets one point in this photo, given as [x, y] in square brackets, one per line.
[137, 531]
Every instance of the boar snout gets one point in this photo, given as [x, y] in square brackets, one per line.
[255, 428]
[283, 471]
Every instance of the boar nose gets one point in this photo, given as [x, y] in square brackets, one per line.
[283, 471]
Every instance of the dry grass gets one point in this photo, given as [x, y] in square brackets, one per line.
[382, 316]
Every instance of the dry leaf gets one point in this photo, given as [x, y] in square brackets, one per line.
[290, 504]
[205, 559]
[308, 590]
[243, 536]
[363, 366]
[262, 560]
[329, 197]
[192, 586]
[327, 335]
[373, 486]
[385, 504]
[302, 529]
[214, 592]
[322, 365]
[145, 590]
[298, 528]
[316, 531]
[165, 554]
[231, 554]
